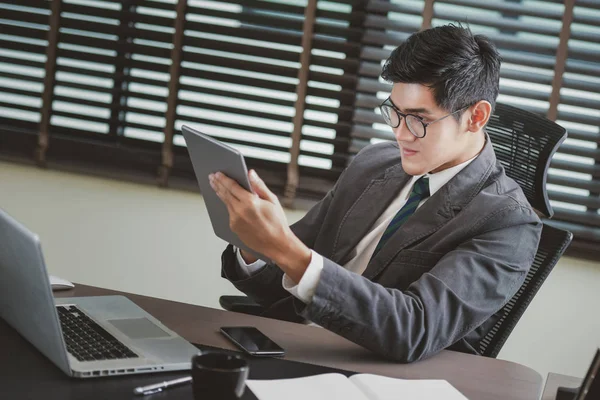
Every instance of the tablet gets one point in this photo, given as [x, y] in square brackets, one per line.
[208, 156]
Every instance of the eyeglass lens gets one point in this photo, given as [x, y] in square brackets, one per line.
[392, 118]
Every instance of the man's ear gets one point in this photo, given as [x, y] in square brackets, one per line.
[479, 115]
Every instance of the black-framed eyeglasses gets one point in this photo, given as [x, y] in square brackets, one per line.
[392, 116]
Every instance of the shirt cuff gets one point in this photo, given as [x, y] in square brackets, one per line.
[305, 289]
[246, 270]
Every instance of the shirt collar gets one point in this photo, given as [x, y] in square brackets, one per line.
[439, 179]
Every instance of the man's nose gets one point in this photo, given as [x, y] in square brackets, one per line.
[402, 133]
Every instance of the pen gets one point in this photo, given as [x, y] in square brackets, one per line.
[158, 387]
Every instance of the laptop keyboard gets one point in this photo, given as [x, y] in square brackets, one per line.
[88, 341]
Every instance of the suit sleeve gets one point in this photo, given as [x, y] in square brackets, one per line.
[466, 287]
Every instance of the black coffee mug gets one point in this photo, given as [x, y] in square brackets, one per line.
[219, 376]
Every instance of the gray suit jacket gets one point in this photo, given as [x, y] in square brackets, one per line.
[439, 281]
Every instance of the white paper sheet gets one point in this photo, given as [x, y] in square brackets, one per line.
[378, 387]
[316, 387]
[357, 387]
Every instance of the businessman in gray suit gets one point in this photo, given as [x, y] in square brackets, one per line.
[421, 241]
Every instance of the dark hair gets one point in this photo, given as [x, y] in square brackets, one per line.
[460, 68]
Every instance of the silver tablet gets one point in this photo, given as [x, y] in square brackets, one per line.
[208, 156]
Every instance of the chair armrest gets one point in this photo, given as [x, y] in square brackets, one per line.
[241, 304]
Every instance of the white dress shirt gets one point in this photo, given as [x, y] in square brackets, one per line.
[305, 289]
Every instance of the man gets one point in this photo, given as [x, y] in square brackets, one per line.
[421, 242]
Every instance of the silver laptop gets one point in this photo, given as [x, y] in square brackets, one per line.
[86, 336]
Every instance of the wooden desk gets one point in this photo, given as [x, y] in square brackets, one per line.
[479, 378]
[476, 377]
[556, 380]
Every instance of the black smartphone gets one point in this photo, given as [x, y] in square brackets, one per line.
[252, 341]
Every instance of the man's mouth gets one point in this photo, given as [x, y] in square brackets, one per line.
[408, 152]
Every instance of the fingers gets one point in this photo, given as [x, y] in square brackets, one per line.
[225, 188]
[260, 187]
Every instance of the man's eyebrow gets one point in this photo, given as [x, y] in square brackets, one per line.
[417, 111]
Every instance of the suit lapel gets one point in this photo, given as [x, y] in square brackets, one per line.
[428, 218]
[366, 210]
[437, 210]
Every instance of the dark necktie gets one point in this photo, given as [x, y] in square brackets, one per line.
[419, 192]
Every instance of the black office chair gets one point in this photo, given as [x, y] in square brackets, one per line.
[524, 143]
[553, 243]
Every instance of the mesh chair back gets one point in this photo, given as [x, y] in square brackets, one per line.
[553, 243]
[524, 143]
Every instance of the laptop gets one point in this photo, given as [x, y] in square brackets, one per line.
[87, 336]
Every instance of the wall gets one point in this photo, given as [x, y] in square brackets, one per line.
[158, 242]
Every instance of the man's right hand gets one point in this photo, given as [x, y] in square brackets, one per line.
[248, 257]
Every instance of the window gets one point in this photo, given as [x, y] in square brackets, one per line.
[293, 84]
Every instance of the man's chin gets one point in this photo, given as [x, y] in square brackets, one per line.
[412, 169]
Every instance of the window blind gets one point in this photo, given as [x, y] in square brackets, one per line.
[386, 26]
[112, 63]
[239, 71]
[526, 35]
[147, 43]
[23, 41]
[86, 69]
[108, 84]
[332, 80]
[574, 179]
